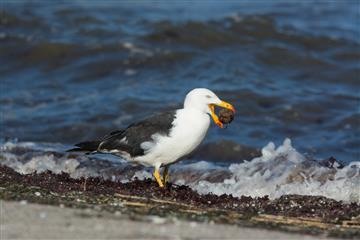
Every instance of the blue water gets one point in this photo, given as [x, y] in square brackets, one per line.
[73, 71]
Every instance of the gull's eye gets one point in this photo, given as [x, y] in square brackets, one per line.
[208, 96]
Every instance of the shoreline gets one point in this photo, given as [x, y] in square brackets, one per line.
[138, 200]
[27, 220]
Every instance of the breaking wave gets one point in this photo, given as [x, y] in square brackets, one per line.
[283, 170]
[278, 171]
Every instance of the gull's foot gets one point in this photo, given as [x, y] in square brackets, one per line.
[166, 175]
[158, 178]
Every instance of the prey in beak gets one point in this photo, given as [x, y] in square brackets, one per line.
[222, 104]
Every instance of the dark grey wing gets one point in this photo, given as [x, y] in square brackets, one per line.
[130, 139]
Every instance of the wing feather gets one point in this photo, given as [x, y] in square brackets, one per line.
[130, 139]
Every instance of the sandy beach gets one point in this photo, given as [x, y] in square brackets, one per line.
[21, 220]
[102, 209]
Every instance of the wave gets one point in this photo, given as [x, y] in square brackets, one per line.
[283, 170]
[240, 29]
[278, 171]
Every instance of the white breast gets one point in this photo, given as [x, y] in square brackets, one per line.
[189, 129]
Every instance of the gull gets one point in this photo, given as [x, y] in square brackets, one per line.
[162, 139]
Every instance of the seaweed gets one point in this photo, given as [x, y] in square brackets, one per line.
[138, 199]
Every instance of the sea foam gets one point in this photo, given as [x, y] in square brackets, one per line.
[280, 170]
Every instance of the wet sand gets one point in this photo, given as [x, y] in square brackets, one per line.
[143, 200]
[34, 221]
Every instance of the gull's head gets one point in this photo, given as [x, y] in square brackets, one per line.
[204, 100]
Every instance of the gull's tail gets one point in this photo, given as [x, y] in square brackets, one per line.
[88, 147]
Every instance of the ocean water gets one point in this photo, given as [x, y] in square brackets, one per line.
[73, 71]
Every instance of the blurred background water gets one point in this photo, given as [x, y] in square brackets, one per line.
[75, 70]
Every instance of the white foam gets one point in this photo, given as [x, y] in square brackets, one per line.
[141, 175]
[40, 164]
[278, 171]
[282, 171]
[37, 157]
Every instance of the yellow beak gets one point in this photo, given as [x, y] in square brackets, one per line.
[222, 104]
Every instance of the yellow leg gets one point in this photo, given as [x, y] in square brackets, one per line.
[166, 176]
[158, 178]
